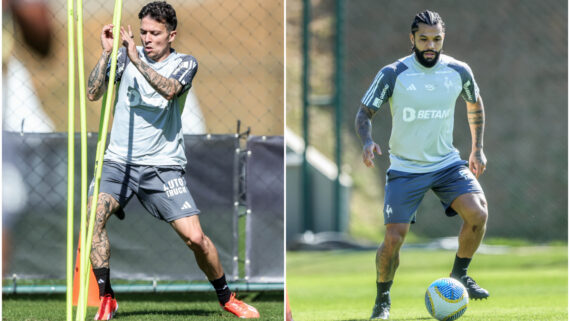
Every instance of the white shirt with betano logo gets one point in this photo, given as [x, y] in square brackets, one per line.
[422, 102]
[147, 128]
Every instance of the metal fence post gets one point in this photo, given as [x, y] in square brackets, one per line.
[305, 175]
[338, 110]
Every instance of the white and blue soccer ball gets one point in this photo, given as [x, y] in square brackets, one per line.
[446, 299]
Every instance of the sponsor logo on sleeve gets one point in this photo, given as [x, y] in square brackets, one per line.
[376, 102]
[467, 90]
[384, 91]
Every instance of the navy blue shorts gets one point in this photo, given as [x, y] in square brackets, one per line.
[405, 191]
[161, 190]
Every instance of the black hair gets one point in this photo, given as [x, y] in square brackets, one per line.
[161, 12]
[430, 18]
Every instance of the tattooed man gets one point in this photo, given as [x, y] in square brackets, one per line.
[146, 156]
[422, 89]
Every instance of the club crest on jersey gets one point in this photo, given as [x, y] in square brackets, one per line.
[447, 83]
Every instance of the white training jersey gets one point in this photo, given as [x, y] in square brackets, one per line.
[422, 102]
[147, 129]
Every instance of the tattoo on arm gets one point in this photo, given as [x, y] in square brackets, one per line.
[166, 87]
[476, 120]
[363, 123]
[96, 84]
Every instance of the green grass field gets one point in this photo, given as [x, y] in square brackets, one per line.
[526, 283]
[142, 307]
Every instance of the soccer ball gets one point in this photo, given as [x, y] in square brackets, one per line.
[446, 299]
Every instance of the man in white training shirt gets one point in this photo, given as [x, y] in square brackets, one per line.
[422, 89]
[146, 156]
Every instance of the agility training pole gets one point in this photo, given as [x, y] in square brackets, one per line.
[81, 78]
[70, 159]
[71, 140]
[102, 139]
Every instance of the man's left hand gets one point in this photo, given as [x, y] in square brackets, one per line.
[477, 162]
[129, 42]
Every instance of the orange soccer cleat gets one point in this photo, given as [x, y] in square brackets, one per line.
[107, 308]
[240, 308]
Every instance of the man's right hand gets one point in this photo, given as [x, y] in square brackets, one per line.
[368, 153]
[107, 38]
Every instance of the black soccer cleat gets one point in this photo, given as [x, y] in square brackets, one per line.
[475, 291]
[381, 308]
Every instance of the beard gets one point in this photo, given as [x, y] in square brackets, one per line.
[426, 62]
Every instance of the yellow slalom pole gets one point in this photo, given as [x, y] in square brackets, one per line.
[83, 123]
[70, 160]
[102, 140]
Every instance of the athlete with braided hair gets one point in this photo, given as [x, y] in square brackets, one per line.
[422, 89]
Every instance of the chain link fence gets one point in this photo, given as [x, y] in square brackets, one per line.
[239, 49]
[518, 53]
[238, 46]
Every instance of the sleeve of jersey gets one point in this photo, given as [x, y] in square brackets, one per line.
[185, 72]
[122, 61]
[380, 89]
[470, 90]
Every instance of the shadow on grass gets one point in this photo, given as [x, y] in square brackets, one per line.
[422, 318]
[266, 296]
[269, 296]
[183, 312]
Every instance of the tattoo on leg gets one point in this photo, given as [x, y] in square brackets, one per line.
[100, 247]
[386, 264]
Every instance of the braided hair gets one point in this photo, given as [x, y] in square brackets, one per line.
[430, 18]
